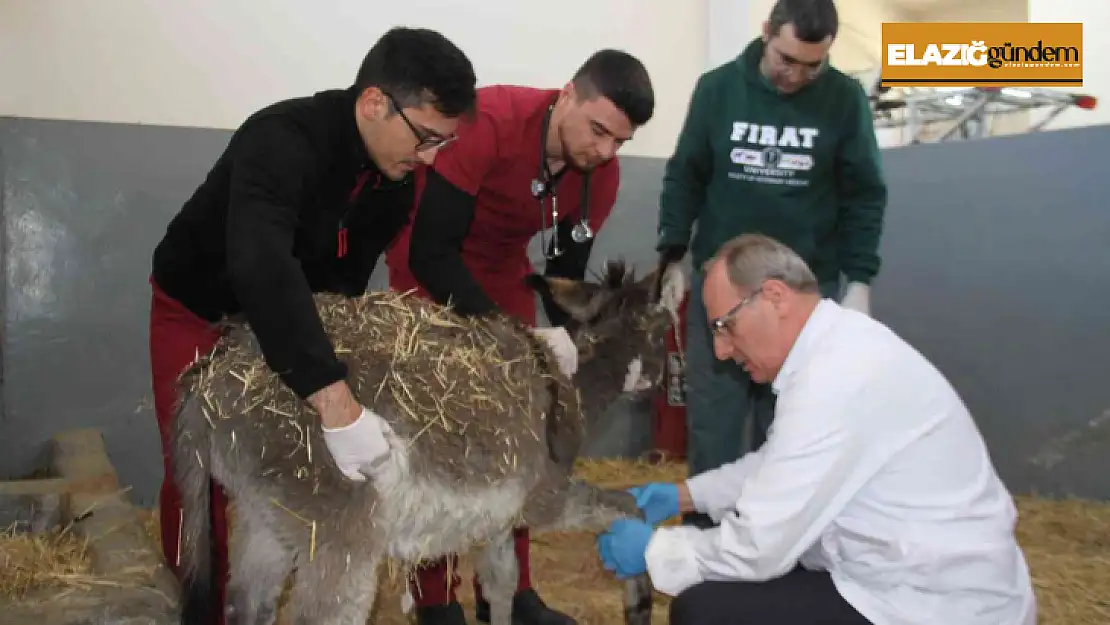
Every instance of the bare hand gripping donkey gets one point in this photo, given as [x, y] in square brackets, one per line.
[484, 434]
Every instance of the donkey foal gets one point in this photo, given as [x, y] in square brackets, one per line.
[483, 430]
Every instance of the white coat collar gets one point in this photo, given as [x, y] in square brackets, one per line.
[823, 316]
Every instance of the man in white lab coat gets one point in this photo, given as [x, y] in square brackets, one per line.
[873, 501]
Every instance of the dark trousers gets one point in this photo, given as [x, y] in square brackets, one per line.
[727, 414]
[800, 597]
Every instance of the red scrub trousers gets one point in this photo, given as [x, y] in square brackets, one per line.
[177, 337]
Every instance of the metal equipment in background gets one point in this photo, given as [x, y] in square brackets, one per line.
[937, 114]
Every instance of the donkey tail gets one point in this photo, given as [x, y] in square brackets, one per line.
[193, 472]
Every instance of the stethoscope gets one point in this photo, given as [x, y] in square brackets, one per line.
[543, 186]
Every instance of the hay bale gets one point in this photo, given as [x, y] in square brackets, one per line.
[93, 558]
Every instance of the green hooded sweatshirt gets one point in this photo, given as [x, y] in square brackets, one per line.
[802, 168]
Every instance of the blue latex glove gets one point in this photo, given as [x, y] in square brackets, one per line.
[622, 547]
[658, 501]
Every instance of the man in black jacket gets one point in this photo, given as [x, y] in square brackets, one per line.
[306, 197]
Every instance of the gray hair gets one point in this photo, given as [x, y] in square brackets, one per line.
[751, 259]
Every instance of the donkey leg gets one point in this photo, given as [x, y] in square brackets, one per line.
[260, 564]
[588, 508]
[336, 588]
[592, 509]
[497, 570]
[637, 600]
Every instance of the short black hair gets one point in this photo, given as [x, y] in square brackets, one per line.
[418, 66]
[621, 78]
[813, 20]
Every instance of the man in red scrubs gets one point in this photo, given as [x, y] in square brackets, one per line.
[530, 160]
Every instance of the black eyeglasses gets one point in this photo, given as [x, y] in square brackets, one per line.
[722, 323]
[424, 139]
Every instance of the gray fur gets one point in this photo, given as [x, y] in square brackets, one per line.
[497, 568]
[431, 501]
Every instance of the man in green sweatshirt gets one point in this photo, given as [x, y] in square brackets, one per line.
[779, 143]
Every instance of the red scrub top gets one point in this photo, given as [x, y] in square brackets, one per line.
[495, 158]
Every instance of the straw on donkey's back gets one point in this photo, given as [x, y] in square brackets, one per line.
[469, 396]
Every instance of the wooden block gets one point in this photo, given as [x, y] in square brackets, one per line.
[118, 540]
[86, 491]
[100, 605]
[79, 456]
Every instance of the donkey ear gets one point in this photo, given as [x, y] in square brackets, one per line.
[580, 299]
[650, 284]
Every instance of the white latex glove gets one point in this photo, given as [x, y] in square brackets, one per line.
[566, 352]
[634, 380]
[359, 449]
[672, 288]
[857, 297]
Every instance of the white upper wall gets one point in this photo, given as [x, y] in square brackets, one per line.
[734, 23]
[210, 63]
[1096, 55]
[858, 46]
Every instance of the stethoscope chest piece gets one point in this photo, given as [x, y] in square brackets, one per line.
[581, 232]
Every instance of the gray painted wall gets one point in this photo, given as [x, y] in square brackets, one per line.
[995, 267]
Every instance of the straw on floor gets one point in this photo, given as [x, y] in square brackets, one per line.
[1067, 543]
[29, 562]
